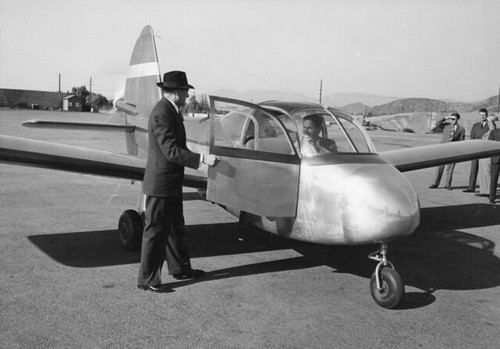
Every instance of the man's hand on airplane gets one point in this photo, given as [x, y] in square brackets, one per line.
[210, 160]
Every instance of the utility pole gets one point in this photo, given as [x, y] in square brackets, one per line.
[498, 101]
[59, 82]
[90, 94]
[320, 90]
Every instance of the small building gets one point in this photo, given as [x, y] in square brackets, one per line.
[72, 103]
[25, 99]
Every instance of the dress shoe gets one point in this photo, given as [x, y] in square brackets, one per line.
[433, 186]
[449, 187]
[482, 195]
[157, 289]
[468, 191]
[189, 274]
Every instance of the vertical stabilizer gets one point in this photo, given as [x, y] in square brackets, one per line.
[141, 90]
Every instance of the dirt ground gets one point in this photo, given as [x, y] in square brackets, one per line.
[65, 281]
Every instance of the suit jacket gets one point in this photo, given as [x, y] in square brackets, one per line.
[167, 152]
[495, 136]
[477, 132]
[459, 134]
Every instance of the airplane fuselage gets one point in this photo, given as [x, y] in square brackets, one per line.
[341, 198]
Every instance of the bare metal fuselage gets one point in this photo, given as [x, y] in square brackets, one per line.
[342, 199]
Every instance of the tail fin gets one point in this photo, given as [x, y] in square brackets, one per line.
[141, 91]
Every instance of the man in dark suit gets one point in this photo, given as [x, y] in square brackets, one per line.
[164, 233]
[495, 167]
[477, 132]
[452, 132]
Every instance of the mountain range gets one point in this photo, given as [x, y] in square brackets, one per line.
[367, 104]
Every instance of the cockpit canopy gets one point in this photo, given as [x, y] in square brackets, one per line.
[287, 128]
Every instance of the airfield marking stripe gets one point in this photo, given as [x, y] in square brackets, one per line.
[143, 69]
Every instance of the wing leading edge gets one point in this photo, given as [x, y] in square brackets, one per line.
[34, 153]
[417, 158]
[79, 126]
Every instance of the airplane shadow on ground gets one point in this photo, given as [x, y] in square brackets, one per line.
[91, 249]
[437, 256]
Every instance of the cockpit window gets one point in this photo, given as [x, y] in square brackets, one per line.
[229, 127]
[356, 141]
[323, 132]
[251, 129]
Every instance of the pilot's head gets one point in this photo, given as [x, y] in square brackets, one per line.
[175, 86]
[311, 126]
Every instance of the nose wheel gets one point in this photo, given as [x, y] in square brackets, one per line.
[386, 286]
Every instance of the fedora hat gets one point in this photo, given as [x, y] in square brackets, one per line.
[174, 80]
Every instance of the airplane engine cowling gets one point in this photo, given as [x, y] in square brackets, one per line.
[356, 203]
[381, 205]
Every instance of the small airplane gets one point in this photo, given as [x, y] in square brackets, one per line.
[352, 196]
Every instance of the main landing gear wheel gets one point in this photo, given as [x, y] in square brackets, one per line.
[130, 227]
[386, 286]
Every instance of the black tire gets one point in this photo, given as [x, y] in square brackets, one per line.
[130, 227]
[392, 292]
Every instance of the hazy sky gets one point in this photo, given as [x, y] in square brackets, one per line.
[412, 48]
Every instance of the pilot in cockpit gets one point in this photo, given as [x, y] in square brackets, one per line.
[311, 143]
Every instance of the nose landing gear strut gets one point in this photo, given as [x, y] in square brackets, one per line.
[386, 286]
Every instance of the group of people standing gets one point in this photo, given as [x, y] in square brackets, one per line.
[483, 171]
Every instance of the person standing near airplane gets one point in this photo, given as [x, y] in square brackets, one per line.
[477, 132]
[452, 132]
[164, 232]
[495, 167]
[484, 172]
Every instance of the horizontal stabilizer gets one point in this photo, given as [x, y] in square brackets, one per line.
[79, 126]
[126, 107]
[417, 158]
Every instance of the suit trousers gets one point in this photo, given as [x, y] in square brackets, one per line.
[495, 169]
[474, 168]
[163, 239]
[449, 174]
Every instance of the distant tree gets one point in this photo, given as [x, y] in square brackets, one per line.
[82, 93]
[192, 106]
[98, 101]
[203, 106]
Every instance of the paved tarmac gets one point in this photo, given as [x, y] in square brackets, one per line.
[65, 281]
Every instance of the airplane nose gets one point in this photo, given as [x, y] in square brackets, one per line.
[380, 204]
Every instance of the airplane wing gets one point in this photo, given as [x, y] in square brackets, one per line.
[35, 153]
[410, 159]
[79, 126]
